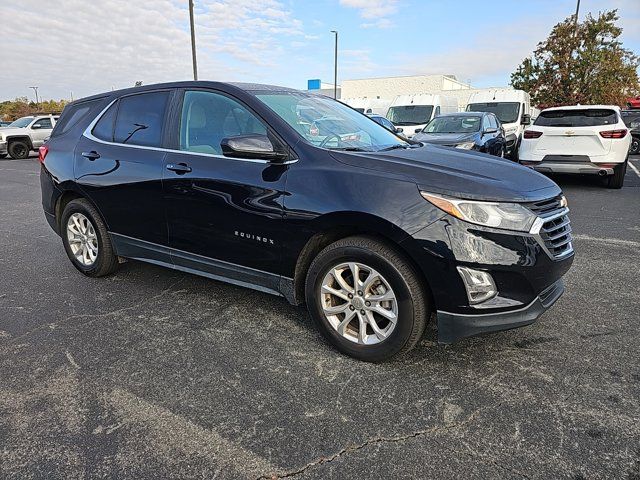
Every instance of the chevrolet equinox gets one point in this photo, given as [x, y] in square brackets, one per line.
[301, 196]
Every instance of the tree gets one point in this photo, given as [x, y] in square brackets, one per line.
[22, 107]
[580, 63]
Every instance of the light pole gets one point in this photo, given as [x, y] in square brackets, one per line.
[335, 67]
[35, 89]
[576, 17]
[193, 41]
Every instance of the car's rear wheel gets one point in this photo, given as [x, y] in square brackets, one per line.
[18, 149]
[86, 239]
[617, 179]
[366, 299]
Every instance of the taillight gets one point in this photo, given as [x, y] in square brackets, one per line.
[614, 133]
[42, 153]
[532, 134]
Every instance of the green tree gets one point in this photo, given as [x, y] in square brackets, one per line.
[582, 62]
[22, 107]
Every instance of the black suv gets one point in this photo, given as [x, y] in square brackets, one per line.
[301, 196]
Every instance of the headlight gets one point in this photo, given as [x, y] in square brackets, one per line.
[466, 145]
[507, 216]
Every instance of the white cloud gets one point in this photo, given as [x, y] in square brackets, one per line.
[375, 11]
[372, 9]
[88, 47]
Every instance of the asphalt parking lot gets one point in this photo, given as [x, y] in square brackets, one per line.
[152, 373]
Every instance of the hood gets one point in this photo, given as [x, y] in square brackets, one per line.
[13, 131]
[444, 138]
[458, 173]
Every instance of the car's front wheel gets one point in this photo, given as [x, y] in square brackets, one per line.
[18, 150]
[86, 239]
[635, 146]
[366, 299]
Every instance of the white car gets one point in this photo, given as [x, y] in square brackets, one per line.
[584, 139]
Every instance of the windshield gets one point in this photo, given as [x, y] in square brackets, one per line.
[327, 123]
[407, 115]
[507, 112]
[453, 124]
[21, 122]
[577, 118]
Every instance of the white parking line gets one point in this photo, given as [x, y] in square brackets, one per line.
[634, 168]
[608, 241]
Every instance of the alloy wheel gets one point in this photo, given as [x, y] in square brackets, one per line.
[82, 238]
[359, 303]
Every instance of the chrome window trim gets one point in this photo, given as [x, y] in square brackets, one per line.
[88, 133]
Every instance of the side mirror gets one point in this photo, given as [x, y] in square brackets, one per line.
[526, 119]
[489, 130]
[251, 146]
[36, 127]
[418, 130]
[399, 130]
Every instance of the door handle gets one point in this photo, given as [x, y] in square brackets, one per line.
[179, 168]
[92, 155]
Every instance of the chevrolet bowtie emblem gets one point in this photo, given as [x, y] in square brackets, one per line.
[569, 133]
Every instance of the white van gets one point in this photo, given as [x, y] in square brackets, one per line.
[513, 109]
[413, 112]
[368, 105]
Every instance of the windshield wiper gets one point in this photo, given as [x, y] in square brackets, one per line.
[349, 149]
[393, 147]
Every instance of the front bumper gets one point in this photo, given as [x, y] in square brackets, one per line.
[3, 148]
[455, 326]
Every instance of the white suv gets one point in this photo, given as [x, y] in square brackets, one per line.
[25, 135]
[589, 139]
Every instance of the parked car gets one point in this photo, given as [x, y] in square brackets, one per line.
[477, 131]
[4, 124]
[25, 135]
[380, 120]
[631, 118]
[373, 233]
[633, 102]
[513, 109]
[413, 112]
[584, 139]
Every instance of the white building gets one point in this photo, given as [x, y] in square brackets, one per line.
[390, 87]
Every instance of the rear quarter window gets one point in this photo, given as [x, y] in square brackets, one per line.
[71, 115]
[141, 118]
[577, 118]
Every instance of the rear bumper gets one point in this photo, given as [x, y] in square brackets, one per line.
[581, 165]
[455, 326]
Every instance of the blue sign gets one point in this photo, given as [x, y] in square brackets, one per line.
[313, 84]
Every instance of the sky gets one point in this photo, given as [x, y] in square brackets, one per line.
[78, 47]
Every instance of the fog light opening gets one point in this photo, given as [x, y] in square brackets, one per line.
[479, 285]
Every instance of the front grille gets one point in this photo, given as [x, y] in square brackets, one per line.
[544, 207]
[555, 232]
[556, 235]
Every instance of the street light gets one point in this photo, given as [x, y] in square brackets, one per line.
[335, 67]
[35, 89]
[193, 41]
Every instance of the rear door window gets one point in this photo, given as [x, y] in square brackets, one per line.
[104, 128]
[141, 118]
[577, 118]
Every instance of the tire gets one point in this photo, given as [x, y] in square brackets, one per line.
[19, 149]
[635, 146]
[105, 261]
[412, 307]
[617, 179]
